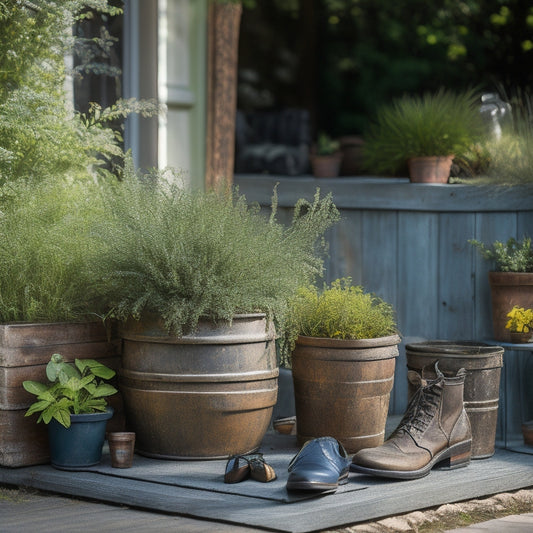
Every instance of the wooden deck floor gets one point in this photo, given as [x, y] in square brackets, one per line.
[196, 490]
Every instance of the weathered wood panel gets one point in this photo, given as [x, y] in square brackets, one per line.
[409, 244]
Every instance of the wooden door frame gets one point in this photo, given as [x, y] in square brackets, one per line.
[222, 62]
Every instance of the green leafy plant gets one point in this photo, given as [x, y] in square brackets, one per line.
[187, 255]
[520, 320]
[512, 256]
[326, 145]
[434, 124]
[340, 311]
[72, 389]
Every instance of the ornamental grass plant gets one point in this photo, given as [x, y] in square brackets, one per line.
[187, 255]
[435, 124]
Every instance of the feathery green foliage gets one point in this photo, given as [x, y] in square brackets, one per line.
[434, 124]
[191, 254]
[512, 256]
[45, 241]
[339, 311]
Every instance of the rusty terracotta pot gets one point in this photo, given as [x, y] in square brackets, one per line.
[508, 289]
[326, 166]
[207, 395]
[431, 169]
[342, 389]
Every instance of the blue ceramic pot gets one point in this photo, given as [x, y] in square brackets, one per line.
[81, 444]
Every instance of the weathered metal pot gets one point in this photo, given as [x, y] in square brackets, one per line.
[483, 364]
[508, 289]
[342, 389]
[206, 395]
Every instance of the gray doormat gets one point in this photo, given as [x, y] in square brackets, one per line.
[196, 489]
[209, 476]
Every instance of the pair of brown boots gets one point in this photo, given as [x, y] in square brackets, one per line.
[434, 430]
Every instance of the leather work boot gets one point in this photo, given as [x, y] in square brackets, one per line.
[435, 429]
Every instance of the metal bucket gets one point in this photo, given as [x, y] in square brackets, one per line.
[203, 396]
[483, 364]
[342, 389]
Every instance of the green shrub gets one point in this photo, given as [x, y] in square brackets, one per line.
[340, 311]
[45, 242]
[512, 256]
[435, 124]
[191, 254]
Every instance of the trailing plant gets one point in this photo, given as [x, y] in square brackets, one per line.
[45, 243]
[339, 311]
[72, 389]
[187, 255]
[520, 320]
[512, 256]
[434, 124]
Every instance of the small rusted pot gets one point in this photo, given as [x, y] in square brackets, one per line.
[342, 389]
[121, 448]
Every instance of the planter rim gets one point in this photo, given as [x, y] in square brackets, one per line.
[208, 332]
[389, 340]
[458, 349]
[90, 417]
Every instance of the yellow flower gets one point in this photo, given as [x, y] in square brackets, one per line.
[520, 320]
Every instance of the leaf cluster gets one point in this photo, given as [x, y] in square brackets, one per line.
[434, 124]
[188, 255]
[72, 389]
[340, 311]
[511, 256]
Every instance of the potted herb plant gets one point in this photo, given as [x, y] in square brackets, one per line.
[425, 133]
[326, 158]
[511, 281]
[73, 404]
[345, 347]
[199, 280]
[520, 324]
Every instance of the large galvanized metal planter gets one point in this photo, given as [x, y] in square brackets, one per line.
[25, 350]
[483, 364]
[508, 289]
[206, 395]
[342, 389]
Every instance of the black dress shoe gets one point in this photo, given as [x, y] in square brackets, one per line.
[321, 465]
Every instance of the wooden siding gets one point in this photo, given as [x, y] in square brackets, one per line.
[408, 243]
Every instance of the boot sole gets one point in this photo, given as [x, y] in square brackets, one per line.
[456, 456]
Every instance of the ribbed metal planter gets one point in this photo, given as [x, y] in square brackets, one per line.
[342, 389]
[483, 364]
[207, 395]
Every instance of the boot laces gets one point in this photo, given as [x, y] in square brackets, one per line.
[421, 409]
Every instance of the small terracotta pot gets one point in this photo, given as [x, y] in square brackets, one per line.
[433, 169]
[518, 337]
[527, 431]
[121, 448]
